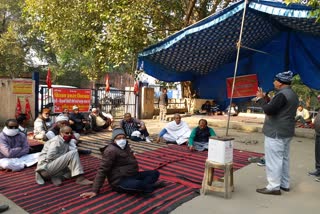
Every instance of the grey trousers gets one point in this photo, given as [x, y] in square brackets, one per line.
[65, 164]
[277, 162]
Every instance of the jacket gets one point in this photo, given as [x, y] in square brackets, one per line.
[13, 147]
[116, 163]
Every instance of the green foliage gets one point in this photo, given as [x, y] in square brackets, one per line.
[306, 95]
[103, 35]
[99, 36]
[312, 3]
[11, 43]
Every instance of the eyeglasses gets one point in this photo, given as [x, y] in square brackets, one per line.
[13, 127]
[67, 133]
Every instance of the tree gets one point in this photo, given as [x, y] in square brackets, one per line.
[100, 36]
[307, 96]
[12, 55]
[313, 3]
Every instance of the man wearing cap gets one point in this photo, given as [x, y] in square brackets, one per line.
[42, 125]
[278, 129]
[317, 146]
[120, 166]
[62, 121]
[14, 148]
[58, 161]
[77, 121]
[99, 122]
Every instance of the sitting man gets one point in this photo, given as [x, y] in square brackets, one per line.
[62, 121]
[65, 112]
[302, 115]
[78, 122]
[199, 137]
[134, 128]
[3, 207]
[14, 148]
[99, 122]
[42, 125]
[121, 168]
[234, 110]
[215, 109]
[206, 108]
[58, 160]
[176, 131]
[22, 121]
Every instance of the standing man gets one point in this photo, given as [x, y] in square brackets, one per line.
[278, 129]
[317, 145]
[163, 103]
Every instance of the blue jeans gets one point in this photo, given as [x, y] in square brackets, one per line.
[142, 182]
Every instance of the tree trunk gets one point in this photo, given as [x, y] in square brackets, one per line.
[189, 12]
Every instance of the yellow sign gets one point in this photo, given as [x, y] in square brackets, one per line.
[22, 86]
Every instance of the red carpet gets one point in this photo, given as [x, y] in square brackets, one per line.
[180, 169]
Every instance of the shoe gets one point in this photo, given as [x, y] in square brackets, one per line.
[254, 159]
[262, 162]
[317, 179]
[285, 189]
[148, 140]
[159, 184]
[84, 151]
[57, 181]
[268, 192]
[3, 208]
[315, 173]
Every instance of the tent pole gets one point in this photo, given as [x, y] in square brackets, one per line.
[237, 60]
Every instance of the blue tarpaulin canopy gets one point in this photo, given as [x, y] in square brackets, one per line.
[275, 38]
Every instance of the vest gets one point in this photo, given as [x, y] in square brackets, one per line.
[202, 135]
[282, 124]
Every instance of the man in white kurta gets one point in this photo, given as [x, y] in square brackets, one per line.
[175, 131]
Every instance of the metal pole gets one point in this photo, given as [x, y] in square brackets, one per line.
[237, 60]
[35, 77]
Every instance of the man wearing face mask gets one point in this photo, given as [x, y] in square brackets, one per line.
[14, 148]
[58, 161]
[120, 166]
[62, 121]
[42, 124]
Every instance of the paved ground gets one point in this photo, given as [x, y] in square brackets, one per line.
[305, 193]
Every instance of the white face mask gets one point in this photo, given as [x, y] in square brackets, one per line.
[10, 132]
[121, 143]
